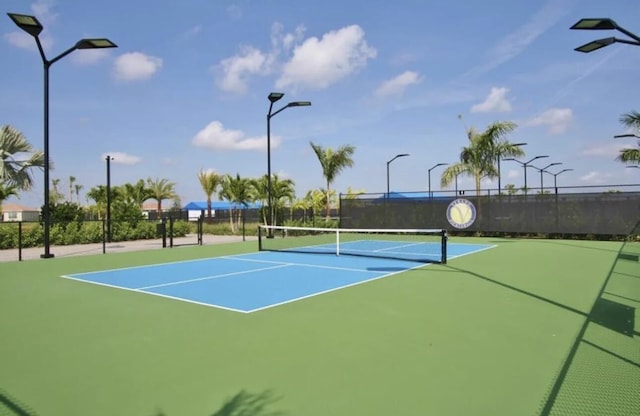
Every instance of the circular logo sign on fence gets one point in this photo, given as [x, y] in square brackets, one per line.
[461, 213]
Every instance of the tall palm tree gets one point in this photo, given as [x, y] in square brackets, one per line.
[479, 158]
[55, 196]
[238, 191]
[630, 155]
[209, 181]
[282, 192]
[161, 189]
[72, 180]
[14, 144]
[78, 188]
[260, 193]
[333, 162]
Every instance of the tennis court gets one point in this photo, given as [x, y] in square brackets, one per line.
[252, 282]
[504, 327]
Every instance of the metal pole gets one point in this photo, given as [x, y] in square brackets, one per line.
[429, 174]
[270, 216]
[526, 190]
[108, 159]
[46, 214]
[499, 176]
[388, 178]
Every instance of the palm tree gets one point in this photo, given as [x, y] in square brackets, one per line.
[630, 155]
[333, 162]
[17, 172]
[137, 193]
[479, 158]
[55, 197]
[282, 192]
[72, 179]
[209, 181]
[260, 193]
[238, 191]
[161, 189]
[77, 188]
[6, 191]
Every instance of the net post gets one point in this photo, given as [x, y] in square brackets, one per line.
[259, 238]
[444, 247]
[337, 242]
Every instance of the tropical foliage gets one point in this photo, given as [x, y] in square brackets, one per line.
[17, 159]
[209, 181]
[631, 155]
[161, 189]
[333, 162]
[479, 158]
[238, 192]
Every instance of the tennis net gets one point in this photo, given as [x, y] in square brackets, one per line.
[420, 245]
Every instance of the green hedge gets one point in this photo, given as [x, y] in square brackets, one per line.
[84, 232]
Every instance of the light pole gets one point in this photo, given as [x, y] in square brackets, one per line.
[542, 170]
[388, 163]
[273, 97]
[108, 159]
[625, 136]
[499, 174]
[633, 167]
[555, 178]
[603, 24]
[32, 26]
[435, 166]
[524, 165]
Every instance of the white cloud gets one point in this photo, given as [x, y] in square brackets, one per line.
[135, 66]
[512, 174]
[556, 119]
[192, 32]
[397, 85]
[237, 68]
[122, 158]
[596, 178]
[605, 150]
[319, 63]
[496, 101]
[89, 56]
[215, 136]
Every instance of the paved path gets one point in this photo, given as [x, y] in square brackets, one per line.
[138, 245]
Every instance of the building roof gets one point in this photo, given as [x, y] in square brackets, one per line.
[219, 205]
[13, 207]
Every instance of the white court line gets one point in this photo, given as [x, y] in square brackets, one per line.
[318, 266]
[211, 305]
[215, 276]
[336, 288]
[471, 252]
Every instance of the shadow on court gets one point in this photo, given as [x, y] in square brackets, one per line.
[244, 403]
[13, 407]
[614, 319]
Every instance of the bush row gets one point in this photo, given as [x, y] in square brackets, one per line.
[82, 233]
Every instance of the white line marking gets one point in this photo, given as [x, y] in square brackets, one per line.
[317, 266]
[212, 277]
[335, 288]
[211, 305]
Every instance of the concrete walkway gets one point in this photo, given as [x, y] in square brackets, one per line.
[137, 245]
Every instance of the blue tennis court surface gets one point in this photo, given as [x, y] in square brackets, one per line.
[252, 282]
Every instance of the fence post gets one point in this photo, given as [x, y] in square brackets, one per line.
[20, 241]
[104, 237]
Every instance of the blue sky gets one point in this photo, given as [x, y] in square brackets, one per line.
[187, 88]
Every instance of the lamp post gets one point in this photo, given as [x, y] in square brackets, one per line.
[555, 178]
[274, 97]
[542, 170]
[108, 159]
[435, 166]
[603, 24]
[524, 166]
[33, 27]
[624, 136]
[633, 167]
[388, 163]
[499, 174]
